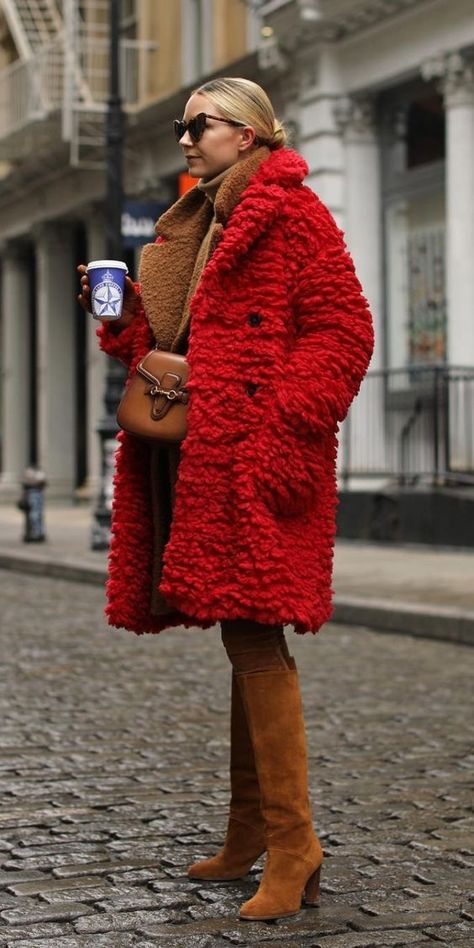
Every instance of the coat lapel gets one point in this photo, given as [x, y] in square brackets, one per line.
[259, 205]
[253, 215]
[166, 267]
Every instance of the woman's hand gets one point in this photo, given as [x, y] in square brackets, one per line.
[130, 299]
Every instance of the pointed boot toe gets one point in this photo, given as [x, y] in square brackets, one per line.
[243, 846]
[245, 838]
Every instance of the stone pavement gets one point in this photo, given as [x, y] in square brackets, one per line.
[113, 776]
[414, 589]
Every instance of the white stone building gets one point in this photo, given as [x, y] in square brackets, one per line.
[379, 95]
[382, 96]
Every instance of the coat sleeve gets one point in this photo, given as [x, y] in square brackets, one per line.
[332, 349]
[126, 343]
[334, 332]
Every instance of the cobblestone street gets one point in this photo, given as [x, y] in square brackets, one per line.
[114, 756]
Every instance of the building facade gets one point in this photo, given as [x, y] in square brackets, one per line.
[54, 71]
[379, 98]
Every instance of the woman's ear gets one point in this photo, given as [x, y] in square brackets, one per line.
[248, 136]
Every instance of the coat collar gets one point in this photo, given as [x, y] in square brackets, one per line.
[278, 171]
[180, 219]
[259, 204]
[252, 189]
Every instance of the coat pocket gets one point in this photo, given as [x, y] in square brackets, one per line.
[286, 470]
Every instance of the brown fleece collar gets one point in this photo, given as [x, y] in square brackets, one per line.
[166, 268]
[232, 186]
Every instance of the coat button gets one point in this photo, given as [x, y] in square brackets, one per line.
[251, 388]
[255, 319]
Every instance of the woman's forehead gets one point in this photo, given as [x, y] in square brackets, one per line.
[198, 102]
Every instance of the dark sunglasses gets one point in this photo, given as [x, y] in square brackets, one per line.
[196, 125]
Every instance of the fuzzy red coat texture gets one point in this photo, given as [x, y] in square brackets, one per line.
[281, 338]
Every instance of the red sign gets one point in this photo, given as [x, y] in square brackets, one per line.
[185, 182]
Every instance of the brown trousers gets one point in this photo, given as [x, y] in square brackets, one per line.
[252, 647]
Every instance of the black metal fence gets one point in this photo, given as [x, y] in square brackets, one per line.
[411, 426]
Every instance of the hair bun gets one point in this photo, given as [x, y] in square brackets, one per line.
[279, 138]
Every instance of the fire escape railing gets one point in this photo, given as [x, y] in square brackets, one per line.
[63, 75]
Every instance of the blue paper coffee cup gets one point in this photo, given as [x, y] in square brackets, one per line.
[107, 283]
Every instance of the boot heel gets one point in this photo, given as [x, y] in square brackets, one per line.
[311, 891]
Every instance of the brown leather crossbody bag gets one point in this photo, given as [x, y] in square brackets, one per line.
[154, 404]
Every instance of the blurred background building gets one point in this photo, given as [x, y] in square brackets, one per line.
[379, 98]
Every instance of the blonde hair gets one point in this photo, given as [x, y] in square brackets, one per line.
[244, 101]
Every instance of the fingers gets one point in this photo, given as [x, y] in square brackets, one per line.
[84, 296]
[84, 278]
[129, 287]
[85, 287]
[84, 302]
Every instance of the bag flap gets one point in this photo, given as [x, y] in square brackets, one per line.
[158, 363]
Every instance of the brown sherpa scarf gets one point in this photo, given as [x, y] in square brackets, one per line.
[167, 268]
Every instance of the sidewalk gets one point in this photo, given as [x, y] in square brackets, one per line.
[417, 590]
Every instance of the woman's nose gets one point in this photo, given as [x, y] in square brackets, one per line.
[186, 139]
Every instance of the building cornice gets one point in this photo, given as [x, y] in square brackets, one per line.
[352, 16]
[303, 21]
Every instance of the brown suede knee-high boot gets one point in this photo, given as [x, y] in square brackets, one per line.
[274, 712]
[245, 840]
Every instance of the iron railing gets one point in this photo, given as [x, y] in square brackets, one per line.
[411, 426]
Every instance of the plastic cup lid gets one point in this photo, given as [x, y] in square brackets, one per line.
[98, 264]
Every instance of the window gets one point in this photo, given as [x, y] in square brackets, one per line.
[197, 39]
[425, 133]
[413, 151]
[129, 64]
[416, 291]
[128, 17]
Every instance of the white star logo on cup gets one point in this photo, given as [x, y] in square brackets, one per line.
[107, 296]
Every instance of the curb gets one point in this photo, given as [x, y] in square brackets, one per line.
[382, 615]
[388, 615]
[69, 568]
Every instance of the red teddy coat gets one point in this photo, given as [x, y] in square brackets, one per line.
[281, 338]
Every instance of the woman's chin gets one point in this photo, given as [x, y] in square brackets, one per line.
[196, 167]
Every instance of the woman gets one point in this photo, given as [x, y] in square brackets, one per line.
[249, 276]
